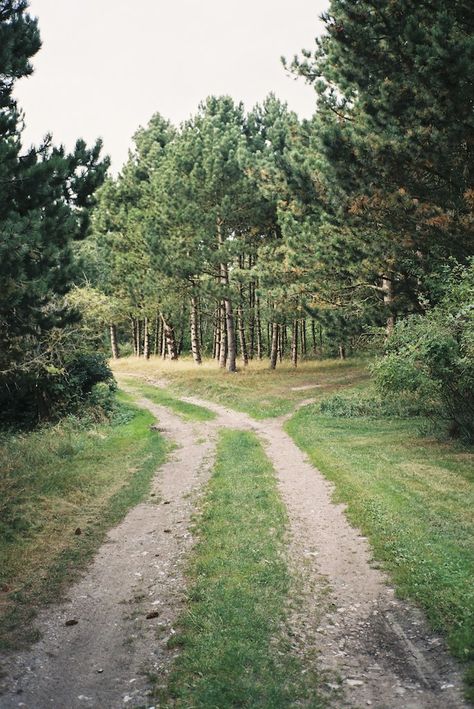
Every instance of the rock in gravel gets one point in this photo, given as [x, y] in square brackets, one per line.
[152, 614]
[354, 682]
[72, 621]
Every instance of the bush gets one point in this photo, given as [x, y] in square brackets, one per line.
[431, 357]
[47, 393]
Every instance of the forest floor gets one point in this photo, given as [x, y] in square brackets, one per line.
[239, 532]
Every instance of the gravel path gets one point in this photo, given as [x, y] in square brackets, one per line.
[377, 650]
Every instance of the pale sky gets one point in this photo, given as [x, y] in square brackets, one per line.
[107, 65]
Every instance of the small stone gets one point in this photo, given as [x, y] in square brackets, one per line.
[72, 621]
[99, 671]
[447, 686]
[354, 682]
[167, 531]
[78, 531]
[152, 614]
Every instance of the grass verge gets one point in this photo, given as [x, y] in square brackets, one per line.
[56, 482]
[255, 390]
[190, 412]
[230, 656]
[413, 497]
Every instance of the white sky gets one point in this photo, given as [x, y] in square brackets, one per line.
[107, 65]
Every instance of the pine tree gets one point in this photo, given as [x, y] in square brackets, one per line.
[395, 123]
[45, 198]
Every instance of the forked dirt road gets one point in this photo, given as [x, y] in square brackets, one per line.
[377, 650]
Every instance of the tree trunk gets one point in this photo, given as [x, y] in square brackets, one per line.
[229, 315]
[241, 324]
[342, 351]
[163, 339]
[134, 335]
[303, 336]
[251, 320]
[146, 339]
[222, 337]
[313, 335]
[387, 290]
[114, 342]
[274, 347]
[195, 344]
[294, 343]
[170, 339]
[280, 342]
[139, 337]
[258, 324]
[243, 342]
[156, 345]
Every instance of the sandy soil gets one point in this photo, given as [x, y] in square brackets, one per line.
[377, 650]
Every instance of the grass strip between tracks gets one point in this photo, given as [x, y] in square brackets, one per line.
[233, 650]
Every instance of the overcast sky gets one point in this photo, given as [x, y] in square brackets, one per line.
[107, 65]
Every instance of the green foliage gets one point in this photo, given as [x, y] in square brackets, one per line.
[432, 358]
[30, 397]
[46, 195]
[392, 165]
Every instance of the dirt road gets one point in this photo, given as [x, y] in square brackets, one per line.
[377, 650]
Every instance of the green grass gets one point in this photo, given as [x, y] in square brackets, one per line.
[230, 653]
[413, 497]
[255, 390]
[57, 480]
[189, 412]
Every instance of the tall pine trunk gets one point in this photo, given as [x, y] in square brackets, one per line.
[387, 290]
[274, 345]
[294, 343]
[313, 336]
[229, 315]
[251, 319]
[195, 343]
[222, 336]
[114, 341]
[146, 338]
[133, 323]
[170, 339]
[139, 337]
[156, 344]
[240, 320]
[258, 326]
